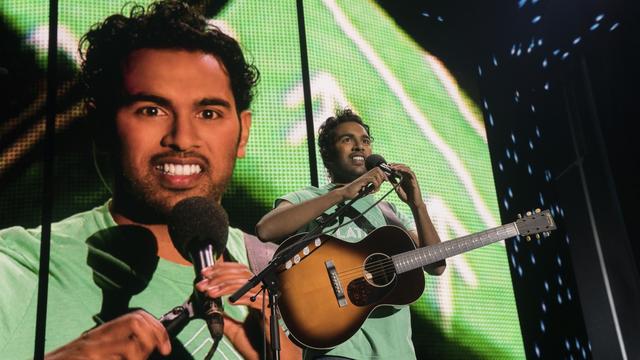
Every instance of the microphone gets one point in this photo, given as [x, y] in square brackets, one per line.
[375, 160]
[199, 228]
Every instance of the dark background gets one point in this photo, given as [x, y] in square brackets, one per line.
[561, 136]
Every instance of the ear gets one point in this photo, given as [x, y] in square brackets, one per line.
[245, 126]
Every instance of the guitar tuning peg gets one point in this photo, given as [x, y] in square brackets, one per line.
[546, 234]
[537, 236]
[519, 216]
[528, 213]
[528, 238]
[538, 211]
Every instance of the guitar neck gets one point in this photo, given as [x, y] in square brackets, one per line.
[430, 254]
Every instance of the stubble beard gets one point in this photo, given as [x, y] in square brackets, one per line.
[142, 199]
[340, 175]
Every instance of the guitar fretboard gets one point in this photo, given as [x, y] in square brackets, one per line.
[430, 254]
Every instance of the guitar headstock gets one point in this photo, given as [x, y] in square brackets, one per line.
[535, 223]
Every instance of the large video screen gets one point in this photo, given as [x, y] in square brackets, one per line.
[358, 58]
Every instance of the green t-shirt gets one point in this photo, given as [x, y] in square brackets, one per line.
[74, 295]
[386, 334]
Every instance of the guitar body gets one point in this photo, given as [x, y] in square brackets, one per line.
[328, 292]
[329, 288]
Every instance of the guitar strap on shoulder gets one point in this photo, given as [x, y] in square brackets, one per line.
[258, 252]
[389, 215]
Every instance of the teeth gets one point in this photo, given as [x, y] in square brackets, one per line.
[361, 158]
[179, 169]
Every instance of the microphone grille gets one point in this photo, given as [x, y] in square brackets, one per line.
[373, 161]
[196, 222]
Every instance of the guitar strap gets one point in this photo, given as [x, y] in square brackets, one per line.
[258, 252]
[350, 212]
[389, 215]
[360, 221]
[363, 223]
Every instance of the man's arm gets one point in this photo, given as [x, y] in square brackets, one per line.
[287, 218]
[425, 234]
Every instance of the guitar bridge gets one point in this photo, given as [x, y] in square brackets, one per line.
[335, 283]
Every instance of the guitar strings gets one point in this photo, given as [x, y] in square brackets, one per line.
[374, 264]
[359, 268]
[458, 242]
[378, 268]
[381, 268]
[375, 277]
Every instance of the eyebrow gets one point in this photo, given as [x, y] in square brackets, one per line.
[351, 135]
[214, 102]
[132, 98]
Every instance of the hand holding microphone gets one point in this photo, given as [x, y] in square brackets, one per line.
[377, 161]
[409, 190]
[369, 182]
[225, 278]
[366, 184]
[199, 228]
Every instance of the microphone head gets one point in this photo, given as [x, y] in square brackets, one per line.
[374, 160]
[196, 222]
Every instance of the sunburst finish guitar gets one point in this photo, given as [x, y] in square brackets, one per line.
[329, 288]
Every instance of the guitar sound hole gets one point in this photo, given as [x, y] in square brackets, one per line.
[379, 270]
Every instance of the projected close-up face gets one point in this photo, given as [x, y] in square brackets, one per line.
[179, 128]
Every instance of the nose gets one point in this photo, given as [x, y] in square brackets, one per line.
[182, 135]
[358, 144]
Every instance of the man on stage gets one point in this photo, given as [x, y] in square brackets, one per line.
[170, 95]
[345, 142]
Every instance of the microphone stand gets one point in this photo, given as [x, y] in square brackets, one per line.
[268, 275]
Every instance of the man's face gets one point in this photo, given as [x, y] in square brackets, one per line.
[352, 145]
[178, 127]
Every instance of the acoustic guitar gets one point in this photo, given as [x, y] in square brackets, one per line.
[330, 287]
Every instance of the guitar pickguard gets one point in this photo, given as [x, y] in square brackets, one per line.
[362, 293]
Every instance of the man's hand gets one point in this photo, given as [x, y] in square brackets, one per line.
[224, 278]
[409, 190]
[374, 176]
[132, 336]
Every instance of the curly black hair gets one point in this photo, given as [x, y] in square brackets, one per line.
[327, 134]
[162, 25]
